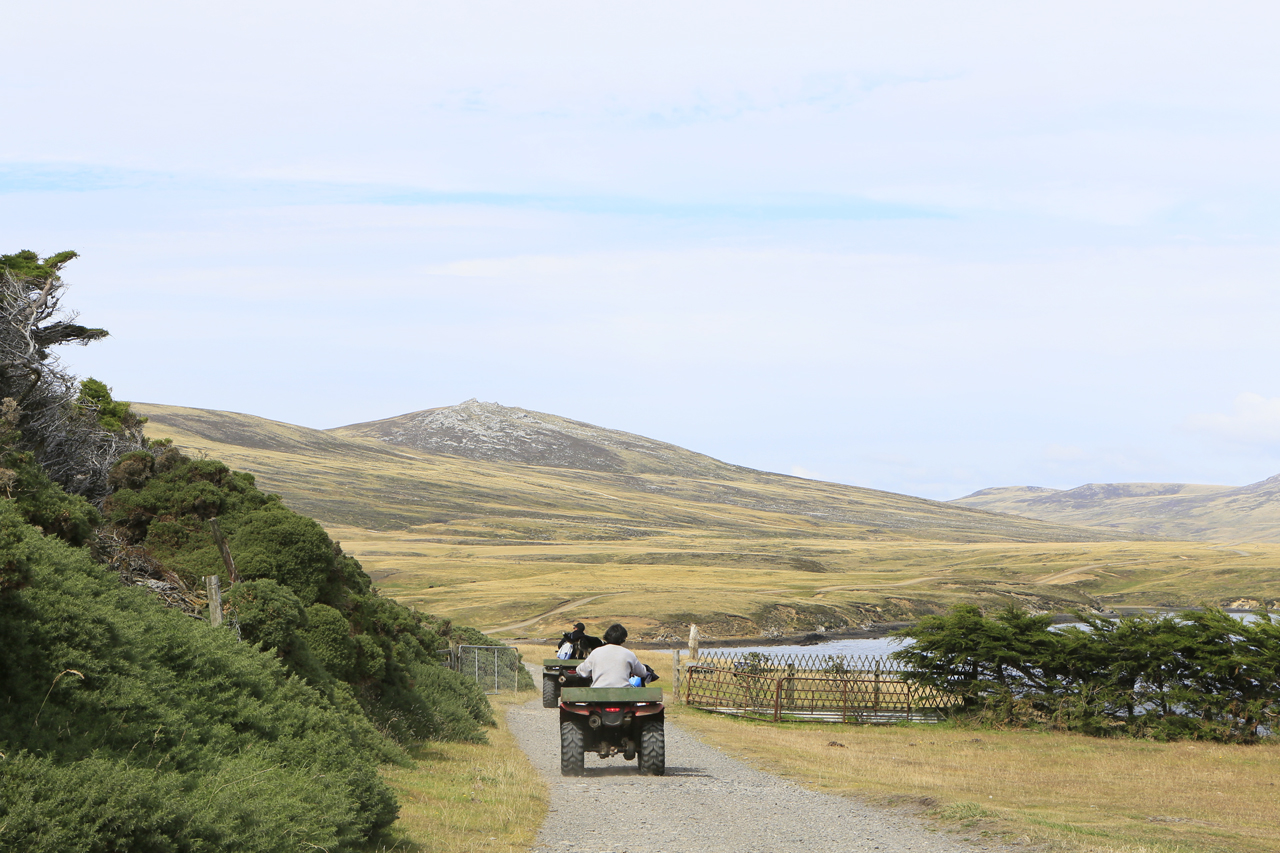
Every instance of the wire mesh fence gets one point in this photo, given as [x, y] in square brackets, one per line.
[495, 668]
[765, 662]
[834, 688]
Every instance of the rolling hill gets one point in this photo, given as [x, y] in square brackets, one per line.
[1171, 510]
[460, 467]
[515, 521]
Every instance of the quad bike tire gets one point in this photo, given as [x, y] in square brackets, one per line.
[550, 693]
[572, 748]
[653, 747]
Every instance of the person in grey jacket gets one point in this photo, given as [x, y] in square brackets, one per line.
[611, 665]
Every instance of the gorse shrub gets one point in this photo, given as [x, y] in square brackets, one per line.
[40, 501]
[1202, 675]
[129, 726]
[268, 613]
[299, 595]
[113, 415]
[328, 634]
[15, 550]
[275, 542]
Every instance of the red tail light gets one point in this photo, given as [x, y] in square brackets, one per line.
[613, 709]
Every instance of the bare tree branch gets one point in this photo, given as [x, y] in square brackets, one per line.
[60, 429]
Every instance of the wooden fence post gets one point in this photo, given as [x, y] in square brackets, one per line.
[225, 550]
[675, 675]
[213, 584]
[875, 702]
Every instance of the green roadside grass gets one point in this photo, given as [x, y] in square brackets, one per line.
[468, 798]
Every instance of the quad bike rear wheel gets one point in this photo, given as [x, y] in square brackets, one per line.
[572, 748]
[550, 693]
[653, 747]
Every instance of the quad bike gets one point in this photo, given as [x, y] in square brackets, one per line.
[611, 721]
[557, 673]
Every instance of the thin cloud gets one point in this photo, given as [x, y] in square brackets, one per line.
[56, 177]
[1065, 453]
[1254, 419]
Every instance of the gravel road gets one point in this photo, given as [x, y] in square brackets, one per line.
[707, 802]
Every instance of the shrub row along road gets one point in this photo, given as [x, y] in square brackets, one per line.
[707, 802]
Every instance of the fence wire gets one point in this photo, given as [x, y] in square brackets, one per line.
[832, 688]
[495, 668]
[759, 662]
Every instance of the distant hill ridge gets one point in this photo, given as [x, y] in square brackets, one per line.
[492, 434]
[1175, 510]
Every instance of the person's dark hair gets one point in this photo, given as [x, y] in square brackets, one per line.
[616, 635]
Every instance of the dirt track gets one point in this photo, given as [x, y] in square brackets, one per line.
[569, 605]
[708, 802]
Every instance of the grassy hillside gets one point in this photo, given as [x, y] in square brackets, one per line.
[1171, 510]
[523, 549]
[343, 477]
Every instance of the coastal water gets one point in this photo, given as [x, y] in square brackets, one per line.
[874, 646]
[871, 647]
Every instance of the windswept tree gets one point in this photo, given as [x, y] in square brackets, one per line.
[1195, 674]
[74, 431]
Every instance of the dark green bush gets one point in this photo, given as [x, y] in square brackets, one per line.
[180, 494]
[1199, 675]
[15, 553]
[90, 805]
[328, 633]
[298, 596]
[113, 415]
[43, 503]
[128, 726]
[268, 613]
[277, 543]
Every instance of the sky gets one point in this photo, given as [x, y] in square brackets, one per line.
[926, 247]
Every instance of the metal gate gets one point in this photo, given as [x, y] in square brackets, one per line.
[495, 668]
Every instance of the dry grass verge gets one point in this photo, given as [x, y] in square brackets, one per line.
[469, 798]
[1066, 792]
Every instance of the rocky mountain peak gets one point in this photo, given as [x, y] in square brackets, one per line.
[493, 432]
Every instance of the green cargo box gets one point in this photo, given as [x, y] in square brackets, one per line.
[557, 662]
[611, 694]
